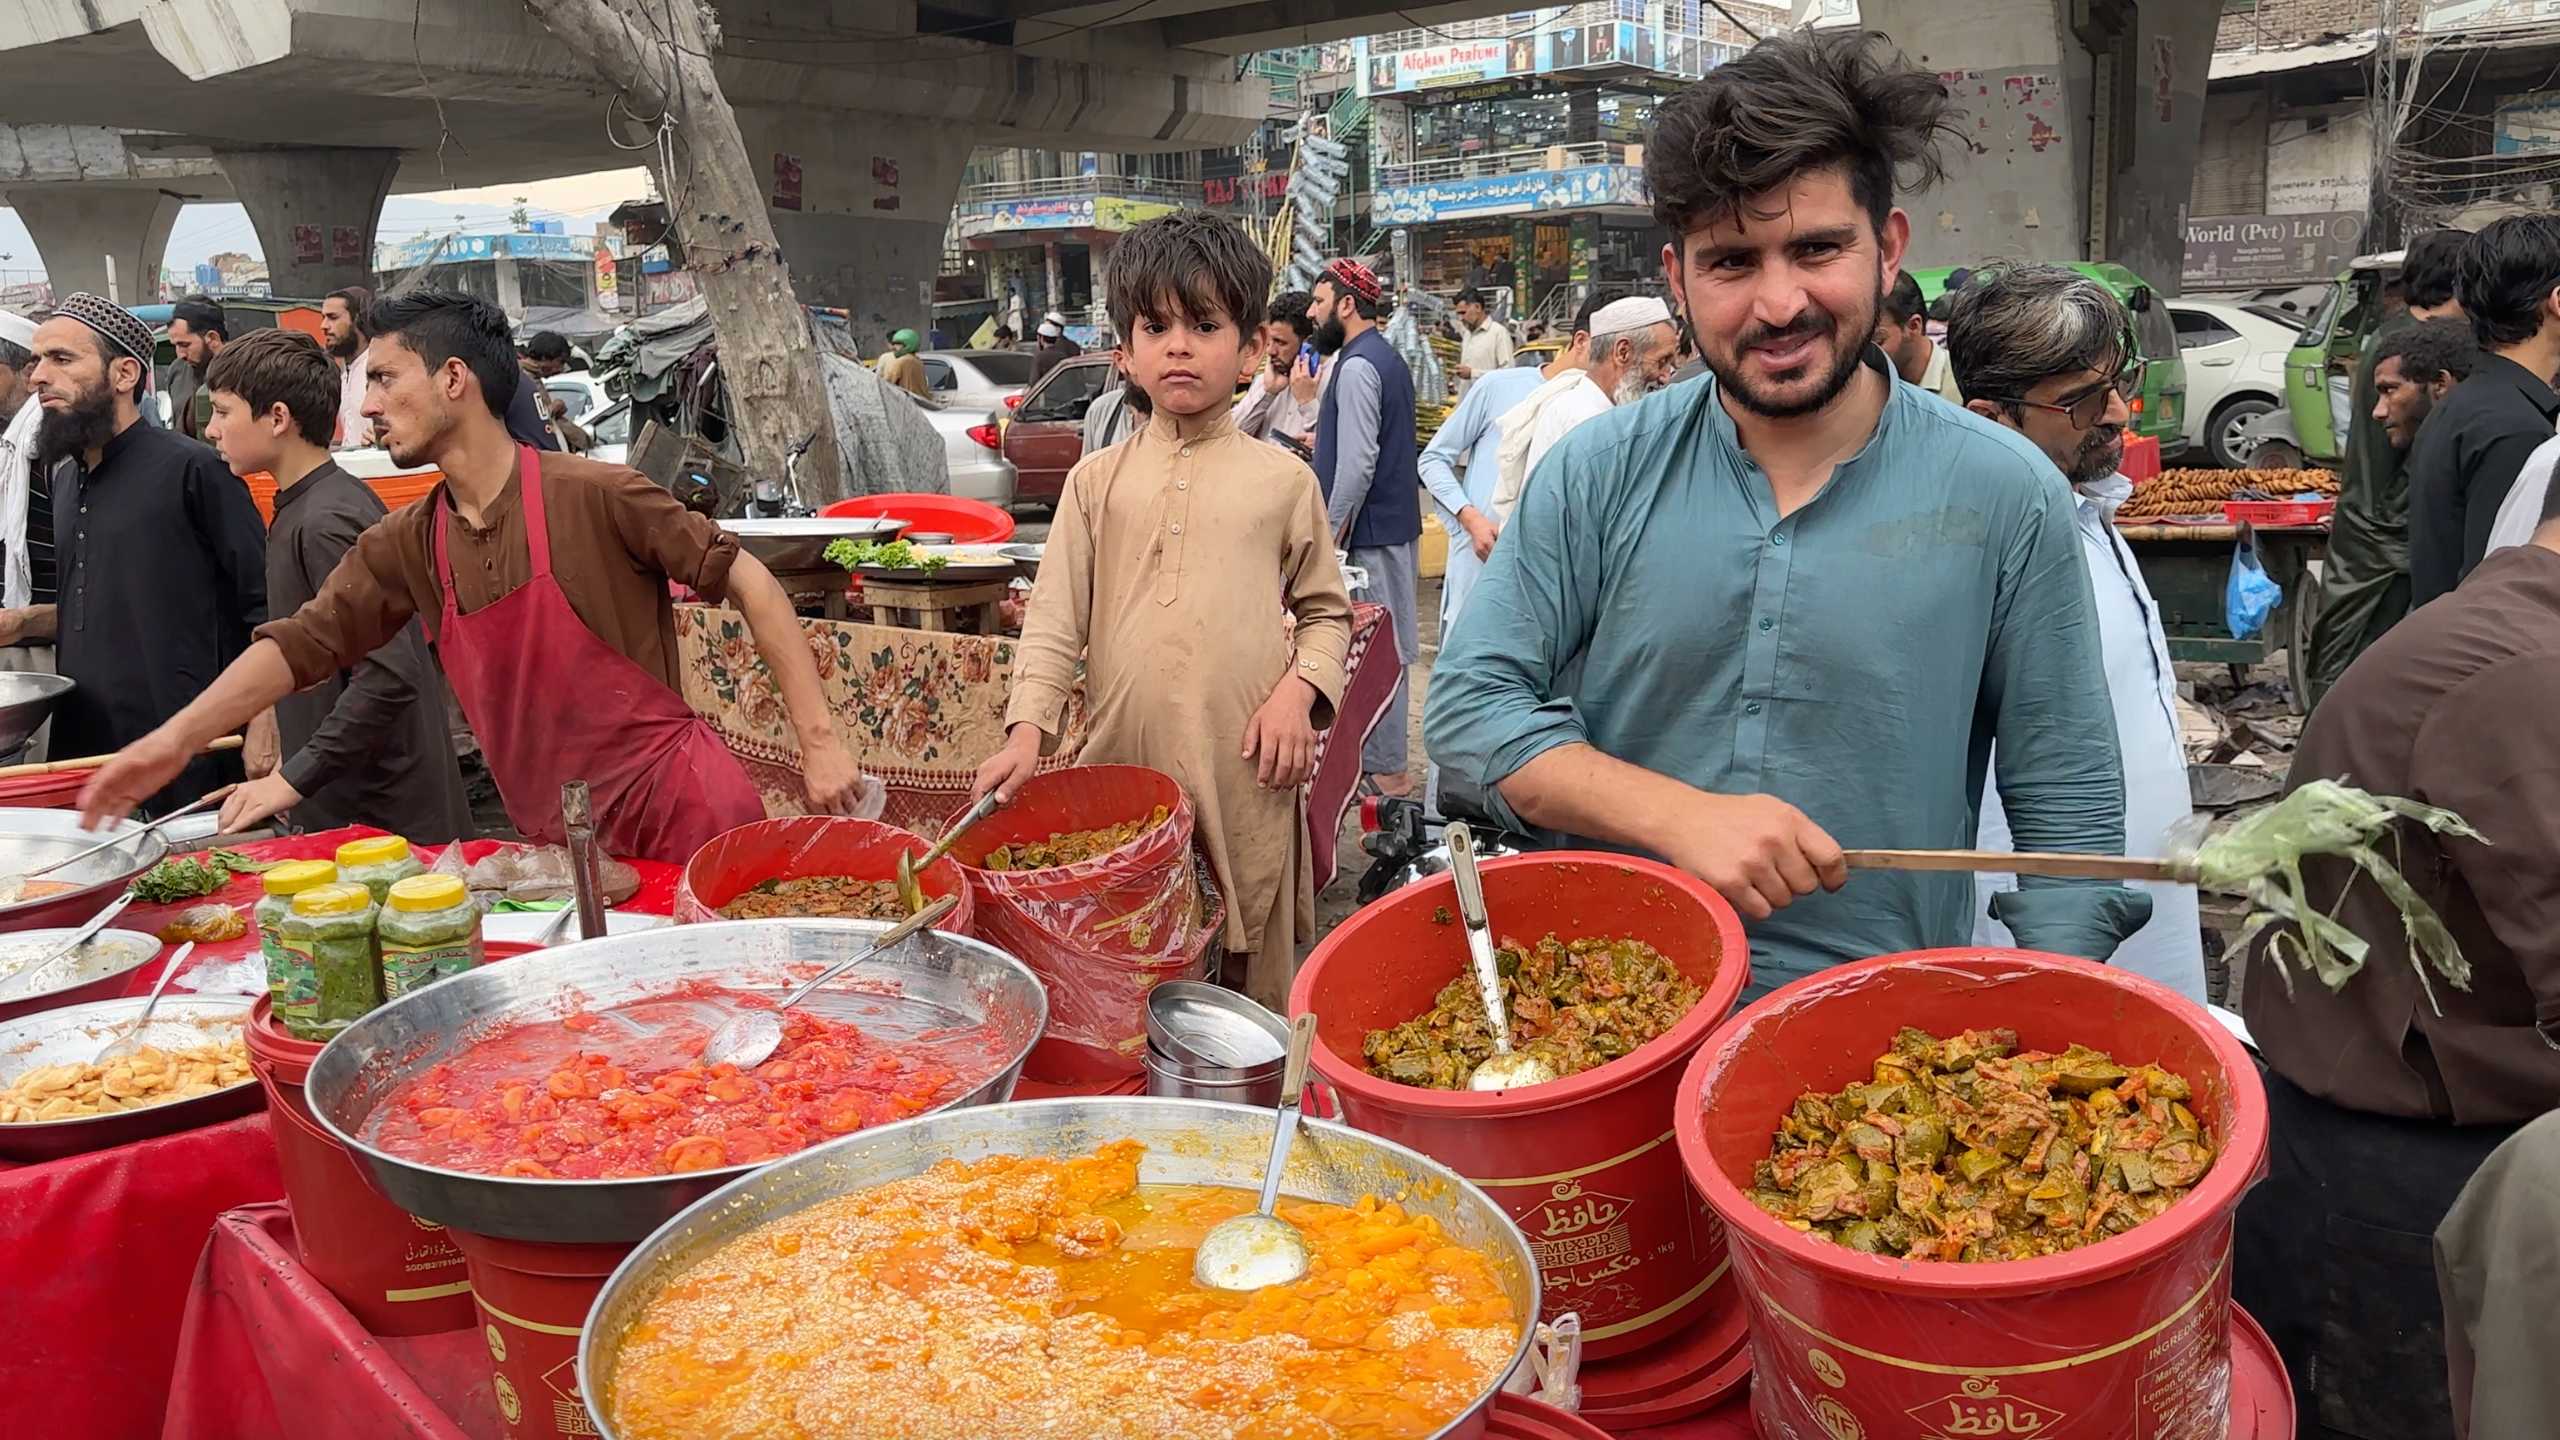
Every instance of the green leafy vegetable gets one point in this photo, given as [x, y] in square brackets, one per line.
[896, 555]
[2260, 857]
[186, 877]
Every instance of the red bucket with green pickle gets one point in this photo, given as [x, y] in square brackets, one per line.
[1585, 1164]
[2125, 1338]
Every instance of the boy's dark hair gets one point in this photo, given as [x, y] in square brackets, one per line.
[2442, 346]
[548, 345]
[1797, 101]
[202, 316]
[1291, 306]
[281, 367]
[1591, 304]
[1190, 264]
[2508, 272]
[446, 325]
[2428, 269]
[1470, 296]
[1903, 300]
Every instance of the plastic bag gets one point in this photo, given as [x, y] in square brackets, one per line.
[2251, 595]
[541, 872]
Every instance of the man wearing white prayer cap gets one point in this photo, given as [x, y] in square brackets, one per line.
[1634, 346]
[19, 416]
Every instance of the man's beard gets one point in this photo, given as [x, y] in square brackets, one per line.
[347, 348]
[1330, 337]
[2101, 454]
[88, 424]
[1730, 373]
[1632, 386]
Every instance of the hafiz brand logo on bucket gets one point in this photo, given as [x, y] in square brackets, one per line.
[568, 1412]
[1978, 1409]
[1581, 1236]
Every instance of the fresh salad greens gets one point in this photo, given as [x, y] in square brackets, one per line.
[186, 877]
[896, 555]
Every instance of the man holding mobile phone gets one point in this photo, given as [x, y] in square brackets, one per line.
[1280, 405]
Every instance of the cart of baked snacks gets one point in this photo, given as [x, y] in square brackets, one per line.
[2184, 525]
[439, 1183]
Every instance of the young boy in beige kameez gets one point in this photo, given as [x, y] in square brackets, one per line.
[1175, 567]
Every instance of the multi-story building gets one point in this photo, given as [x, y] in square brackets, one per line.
[1511, 149]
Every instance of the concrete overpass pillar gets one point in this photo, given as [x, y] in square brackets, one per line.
[315, 207]
[861, 204]
[83, 231]
[2084, 135]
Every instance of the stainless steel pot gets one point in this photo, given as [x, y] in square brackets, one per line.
[1177, 1080]
[1189, 1142]
[74, 1034]
[933, 982]
[29, 838]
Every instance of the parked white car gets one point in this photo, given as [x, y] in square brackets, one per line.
[977, 379]
[972, 441]
[2235, 371]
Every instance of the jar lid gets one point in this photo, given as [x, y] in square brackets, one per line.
[332, 900]
[295, 876]
[373, 850]
[428, 892]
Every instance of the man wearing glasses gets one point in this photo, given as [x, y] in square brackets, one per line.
[2049, 353]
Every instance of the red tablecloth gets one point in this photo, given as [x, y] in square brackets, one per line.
[267, 1354]
[96, 1250]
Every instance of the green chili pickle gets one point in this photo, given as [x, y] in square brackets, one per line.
[429, 930]
[293, 987]
[331, 930]
[376, 863]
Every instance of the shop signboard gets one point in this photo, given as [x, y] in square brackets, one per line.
[1111, 212]
[1586, 187]
[1566, 47]
[1237, 189]
[2236, 252]
[1047, 212]
[2529, 124]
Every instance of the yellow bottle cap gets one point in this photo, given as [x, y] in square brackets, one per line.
[295, 876]
[332, 900]
[428, 892]
[373, 850]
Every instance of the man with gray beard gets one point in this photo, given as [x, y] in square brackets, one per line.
[1634, 346]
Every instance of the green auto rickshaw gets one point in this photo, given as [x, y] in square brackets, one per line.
[2160, 411]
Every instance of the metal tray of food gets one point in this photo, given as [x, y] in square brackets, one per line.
[27, 700]
[95, 971]
[30, 838]
[76, 1033]
[800, 543]
[933, 982]
[1189, 1142]
[961, 565]
[1025, 557]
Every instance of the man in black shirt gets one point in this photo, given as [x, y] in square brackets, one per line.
[367, 745]
[2471, 448]
[163, 559]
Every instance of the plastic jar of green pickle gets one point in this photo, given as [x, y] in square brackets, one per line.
[292, 985]
[429, 930]
[376, 863]
[331, 929]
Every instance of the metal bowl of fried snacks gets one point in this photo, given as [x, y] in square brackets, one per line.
[47, 1063]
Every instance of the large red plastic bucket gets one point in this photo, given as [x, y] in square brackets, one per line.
[398, 1274]
[533, 1299]
[2126, 1339]
[1100, 933]
[1585, 1165]
[731, 862]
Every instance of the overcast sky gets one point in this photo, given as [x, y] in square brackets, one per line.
[206, 230]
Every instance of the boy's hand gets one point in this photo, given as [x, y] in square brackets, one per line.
[1279, 741]
[1005, 770]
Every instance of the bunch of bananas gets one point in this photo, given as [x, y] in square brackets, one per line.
[1426, 420]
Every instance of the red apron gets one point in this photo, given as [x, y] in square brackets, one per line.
[552, 703]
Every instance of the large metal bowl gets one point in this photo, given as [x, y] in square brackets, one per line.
[29, 838]
[933, 982]
[95, 971]
[800, 542]
[1189, 1142]
[26, 702]
[76, 1033]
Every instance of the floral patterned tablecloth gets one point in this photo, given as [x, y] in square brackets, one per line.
[921, 709]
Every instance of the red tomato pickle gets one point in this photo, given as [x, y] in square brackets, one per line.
[624, 1093]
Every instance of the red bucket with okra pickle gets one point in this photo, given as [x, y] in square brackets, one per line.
[2126, 1338]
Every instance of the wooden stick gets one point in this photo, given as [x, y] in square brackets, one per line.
[92, 762]
[2045, 863]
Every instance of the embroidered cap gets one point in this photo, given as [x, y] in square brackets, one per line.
[121, 327]
[1359, 279]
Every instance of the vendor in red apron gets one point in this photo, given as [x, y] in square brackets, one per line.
[542, 579]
